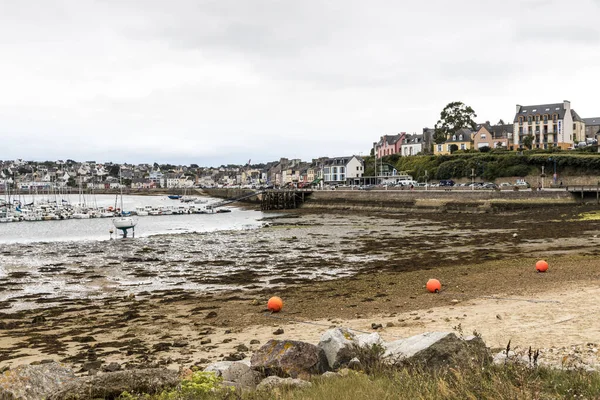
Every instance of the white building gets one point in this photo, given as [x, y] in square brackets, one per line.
[342, 169]
[412, 145]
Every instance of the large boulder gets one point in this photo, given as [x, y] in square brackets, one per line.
[111, 385]
[272, 383]
[235, 373]
[289, 358]
[33, 382]
[337, 345]
[340, 345]
[435, 349]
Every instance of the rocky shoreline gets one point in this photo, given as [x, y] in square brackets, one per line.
[347, 270]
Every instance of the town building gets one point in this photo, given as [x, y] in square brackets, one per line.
[592, 127]
[389, 144]
[551, 125]
[492, 136]
[412, 145]
[462, 139]
[341, 170]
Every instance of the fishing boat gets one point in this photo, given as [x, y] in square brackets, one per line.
[174, 196]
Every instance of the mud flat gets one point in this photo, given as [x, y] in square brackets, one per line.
[181, 300]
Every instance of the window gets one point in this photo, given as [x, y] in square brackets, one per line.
[460, 137]
[453, 137]
[537, 119]
[439, 147]
[520, 130]
[483, 136]
[574, 127]
[357, 168]
[462, 146]
[529, 120]
[520, 120]
[545, 117]
[554, 117]
[554, 128]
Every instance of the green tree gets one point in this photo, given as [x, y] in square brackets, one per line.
[528, 141]
[454, 116]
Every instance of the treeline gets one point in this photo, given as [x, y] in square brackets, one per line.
[494, 164]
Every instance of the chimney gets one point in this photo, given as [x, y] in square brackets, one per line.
[518, 108]
[567, 105]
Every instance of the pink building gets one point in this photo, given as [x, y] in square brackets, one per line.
[389, 144]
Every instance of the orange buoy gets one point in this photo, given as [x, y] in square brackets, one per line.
[434, 286]
[275, 304]
[541, 266]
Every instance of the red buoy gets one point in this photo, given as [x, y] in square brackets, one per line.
[541, 266]
[434, 286]
[275, 304]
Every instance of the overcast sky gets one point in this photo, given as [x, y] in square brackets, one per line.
[224, 81]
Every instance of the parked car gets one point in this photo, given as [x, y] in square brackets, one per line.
[447, 182]
[522, 183]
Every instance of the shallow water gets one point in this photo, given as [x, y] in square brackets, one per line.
[99, 228]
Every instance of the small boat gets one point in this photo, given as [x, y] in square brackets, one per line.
[174, 196]
[223, 210]
[124, 221]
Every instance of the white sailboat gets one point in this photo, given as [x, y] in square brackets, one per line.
[124, 222]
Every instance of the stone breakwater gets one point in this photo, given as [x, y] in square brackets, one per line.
[278, 363]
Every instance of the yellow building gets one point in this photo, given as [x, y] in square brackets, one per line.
[462, 139]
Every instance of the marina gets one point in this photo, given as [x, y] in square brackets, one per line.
[60, 207]
[172, 219]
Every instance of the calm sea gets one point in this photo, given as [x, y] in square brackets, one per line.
[99, 228]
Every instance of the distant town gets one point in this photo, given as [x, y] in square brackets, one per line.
[545, 126]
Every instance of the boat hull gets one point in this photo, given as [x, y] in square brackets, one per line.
[124, 223]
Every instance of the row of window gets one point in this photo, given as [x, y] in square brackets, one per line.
[530, 119]
[440, 147]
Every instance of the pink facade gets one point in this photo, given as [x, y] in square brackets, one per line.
[390, 144]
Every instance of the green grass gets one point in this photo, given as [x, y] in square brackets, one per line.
[468, 382]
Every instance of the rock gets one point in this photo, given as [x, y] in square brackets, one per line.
[355, 364]
[255, 341]
[279, 331]
[112, 384]
[34, 382]
[336, 344]
[84, 339]
[389, 325]
[212, 314]
[368, 340]
[242, 347]
[376, 326]
[91, 365]
[274, 382]
[112, 367]
[289, 358]
[205, 341]
[235, 357]
[228, 340]
[40, 319]
[435, 349]
[330, 374]
[236, 372]
[162, 346]
[180, 343]
[498, 316]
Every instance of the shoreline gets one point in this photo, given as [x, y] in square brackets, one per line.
[374, 266]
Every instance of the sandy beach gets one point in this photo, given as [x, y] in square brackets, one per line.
[331, 269]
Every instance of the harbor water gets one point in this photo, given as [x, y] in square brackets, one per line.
[99, 228]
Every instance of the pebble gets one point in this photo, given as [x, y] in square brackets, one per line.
[205, 341]
[278, 332]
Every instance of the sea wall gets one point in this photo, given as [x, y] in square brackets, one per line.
[434, 200]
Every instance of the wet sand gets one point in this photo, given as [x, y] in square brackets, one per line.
[183, 300]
